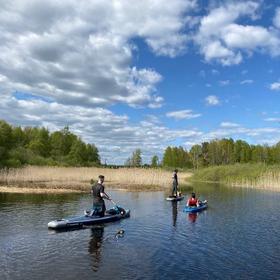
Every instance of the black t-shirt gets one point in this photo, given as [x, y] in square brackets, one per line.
[96, 190]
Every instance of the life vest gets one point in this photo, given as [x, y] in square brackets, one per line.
[192, 201]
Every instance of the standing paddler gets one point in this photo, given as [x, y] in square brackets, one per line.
[175, 183]
[98, 194]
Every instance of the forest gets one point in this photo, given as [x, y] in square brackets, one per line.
[37, 146]
[221, 152]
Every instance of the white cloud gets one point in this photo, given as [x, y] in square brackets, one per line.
[212, 100]
[115, 136]
[81, 52]
[245, 82]
[265, 135]
[275, 86]
[229, 125]
[223, 40]
[224, 83]
[272, 119]
[276, 20]
[183, 114]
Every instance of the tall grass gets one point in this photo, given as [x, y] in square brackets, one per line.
[245, 175]
[79, 178]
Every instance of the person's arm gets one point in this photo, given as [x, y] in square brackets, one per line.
[188, 201]
[103, 194]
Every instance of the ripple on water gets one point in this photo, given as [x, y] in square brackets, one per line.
[233, 239]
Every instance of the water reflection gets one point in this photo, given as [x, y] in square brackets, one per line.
[95, 246]
[174, 212]
[192, 217]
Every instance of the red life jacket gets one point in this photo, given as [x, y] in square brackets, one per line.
[192, 201]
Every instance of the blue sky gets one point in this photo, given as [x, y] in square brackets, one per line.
[147, 75]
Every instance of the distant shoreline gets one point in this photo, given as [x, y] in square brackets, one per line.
[34, 179]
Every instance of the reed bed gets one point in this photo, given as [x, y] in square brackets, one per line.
[258, 176]
[75, 178]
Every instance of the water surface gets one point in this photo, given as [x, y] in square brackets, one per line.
[236, 238]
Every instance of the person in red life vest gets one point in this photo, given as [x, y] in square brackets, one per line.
[193, 201]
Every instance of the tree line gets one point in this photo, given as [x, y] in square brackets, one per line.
[37, 146]
[221, 152]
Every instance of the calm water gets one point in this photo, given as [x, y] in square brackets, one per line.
[236, 238]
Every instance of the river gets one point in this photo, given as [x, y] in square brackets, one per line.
[237, 237]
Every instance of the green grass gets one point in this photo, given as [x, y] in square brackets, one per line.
[237, 173]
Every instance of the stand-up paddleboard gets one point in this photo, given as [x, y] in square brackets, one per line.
[175, 198]
[89, 220]
[194, 209]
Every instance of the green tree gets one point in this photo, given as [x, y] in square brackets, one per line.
[5, 141]
[155, 161]
[136, 158]
[167, 157]
[196, 156]
[78, 154]
[92, 154]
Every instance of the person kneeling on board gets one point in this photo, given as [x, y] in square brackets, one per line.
[193, 201]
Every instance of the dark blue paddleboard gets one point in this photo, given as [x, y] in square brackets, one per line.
[87, 220]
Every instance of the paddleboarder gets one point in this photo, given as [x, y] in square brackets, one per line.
[99, 195]
[175, 183]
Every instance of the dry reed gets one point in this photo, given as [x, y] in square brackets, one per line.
[74, 178]
[266, 181]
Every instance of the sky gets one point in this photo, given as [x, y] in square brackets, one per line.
[142, 74]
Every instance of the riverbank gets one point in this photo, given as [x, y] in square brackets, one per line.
[259, 176]
[71, 179]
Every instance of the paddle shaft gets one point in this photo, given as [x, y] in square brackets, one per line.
[110, 199]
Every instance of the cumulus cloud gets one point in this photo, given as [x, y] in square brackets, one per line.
[116, 136]
[224, 40]
[183, 114]
[275, 86]
[212, 100]
[81, 52]
[265, 135]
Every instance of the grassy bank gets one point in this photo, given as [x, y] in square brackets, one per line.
[260, 176]
[49, 179]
